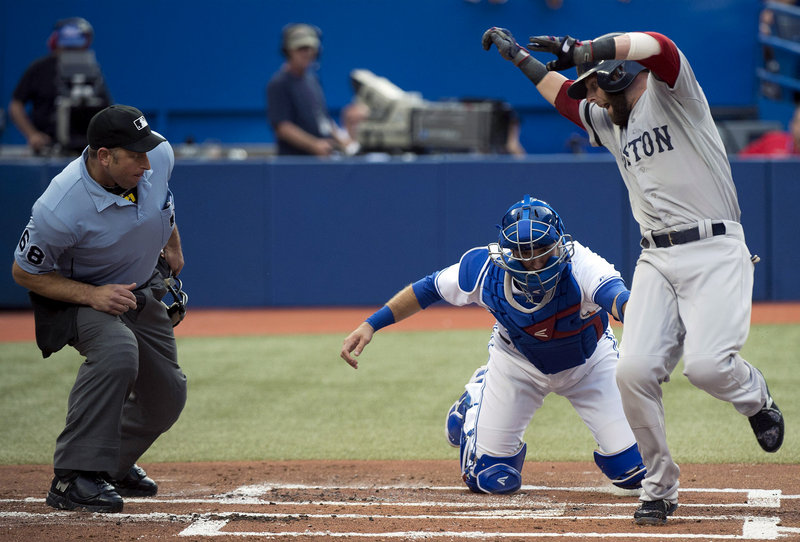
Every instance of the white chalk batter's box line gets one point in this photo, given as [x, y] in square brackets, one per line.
[205, 525]
[208, 525]
[509, 508]
[760, 498]
[212, 524]
[256, 495]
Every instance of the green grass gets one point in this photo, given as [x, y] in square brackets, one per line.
[292, 397]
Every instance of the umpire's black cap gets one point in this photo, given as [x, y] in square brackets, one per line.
[122, 126]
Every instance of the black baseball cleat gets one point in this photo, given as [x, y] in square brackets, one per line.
[135, 483]
[87, 491]
[767, 425]
[654, 512]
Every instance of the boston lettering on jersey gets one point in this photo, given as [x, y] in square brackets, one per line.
[649, 143]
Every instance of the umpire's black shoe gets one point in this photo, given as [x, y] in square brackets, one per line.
[654, 512]
[767, 424]
[84, 492]
[135, 483]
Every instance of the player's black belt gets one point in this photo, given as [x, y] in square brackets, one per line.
[663, 240]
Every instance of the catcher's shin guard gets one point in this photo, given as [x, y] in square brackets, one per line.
[496, 475]
[454, 423]
[624, 468]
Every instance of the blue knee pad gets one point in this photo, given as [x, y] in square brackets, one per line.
[455, 420]
[496, 475]
[625, 469]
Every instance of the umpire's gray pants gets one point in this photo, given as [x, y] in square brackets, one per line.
[129, 390]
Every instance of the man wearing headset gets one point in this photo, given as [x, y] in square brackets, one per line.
[39, 85]
[296, 106]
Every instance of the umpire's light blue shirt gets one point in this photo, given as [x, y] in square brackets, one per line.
[90, 235]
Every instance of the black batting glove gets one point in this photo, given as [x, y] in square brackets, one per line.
[568, 50]
[505, 43]
[513, 51]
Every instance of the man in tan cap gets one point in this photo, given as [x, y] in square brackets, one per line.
[296, 106]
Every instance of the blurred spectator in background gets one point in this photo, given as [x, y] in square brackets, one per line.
[513, 144]
[780, 25]
[777, 143]
[49, 81]
[296, 106]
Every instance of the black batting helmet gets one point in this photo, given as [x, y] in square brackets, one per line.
[612, 75]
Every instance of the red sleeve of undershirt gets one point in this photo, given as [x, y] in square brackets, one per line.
[567, 106]
[666, 64]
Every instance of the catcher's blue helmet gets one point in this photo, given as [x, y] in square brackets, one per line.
[532, 233]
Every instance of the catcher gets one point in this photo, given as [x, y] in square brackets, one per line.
[551, 297]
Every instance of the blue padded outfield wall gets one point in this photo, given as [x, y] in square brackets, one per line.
[199, 68]
[309, 233]
[305, 232]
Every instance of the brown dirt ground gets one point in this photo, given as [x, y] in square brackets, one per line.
[395, 500]
[402, 500]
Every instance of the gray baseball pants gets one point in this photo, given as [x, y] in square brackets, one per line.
[691, 301]
[129, 390]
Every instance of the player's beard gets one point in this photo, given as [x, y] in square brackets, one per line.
[620, 110]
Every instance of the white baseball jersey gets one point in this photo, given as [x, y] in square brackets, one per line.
[590, 270]
[514, 388]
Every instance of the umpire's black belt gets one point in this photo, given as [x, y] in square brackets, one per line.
[670, 238]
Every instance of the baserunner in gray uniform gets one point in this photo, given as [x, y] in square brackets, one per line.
[691, 293]
[88, 256]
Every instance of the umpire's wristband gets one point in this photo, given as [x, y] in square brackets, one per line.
[381, 318]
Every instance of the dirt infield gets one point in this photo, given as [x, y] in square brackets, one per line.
[406, 500]
[400, 500]
[18, 326]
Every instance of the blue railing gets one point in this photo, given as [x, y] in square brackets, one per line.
[780, 40]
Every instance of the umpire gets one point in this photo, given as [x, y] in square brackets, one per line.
[88, 256]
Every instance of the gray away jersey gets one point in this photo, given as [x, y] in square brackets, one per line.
[670, 155]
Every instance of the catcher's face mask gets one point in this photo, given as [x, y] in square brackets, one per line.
[532, 248]
[175, 300]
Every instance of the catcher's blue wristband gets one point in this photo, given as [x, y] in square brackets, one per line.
[622, 298]
[381, 318]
